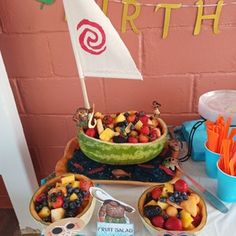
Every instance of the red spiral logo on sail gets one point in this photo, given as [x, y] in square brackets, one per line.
[92, 37]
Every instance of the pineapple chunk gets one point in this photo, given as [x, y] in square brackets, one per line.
[167, 188]
[195, 197]
[57, 214]
[151, 203]
[67, 179]
[75, 184]
[120, 118]
[190, 227]
[44, 212]
[73, 197]
[107, 134]
[162, 205]
[138, 125]
[186, 218]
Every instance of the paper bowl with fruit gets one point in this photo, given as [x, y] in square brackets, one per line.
[63, 197]
[124, 138]
[172, 208]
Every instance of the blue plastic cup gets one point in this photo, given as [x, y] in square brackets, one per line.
[211, 159]
[226, 186]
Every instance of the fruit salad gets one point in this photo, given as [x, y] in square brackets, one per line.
[173, 207]
[126, 127]
[67, 197]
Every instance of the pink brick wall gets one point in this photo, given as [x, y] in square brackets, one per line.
[36, 49]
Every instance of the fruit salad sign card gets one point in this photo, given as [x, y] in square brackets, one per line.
[112, 219]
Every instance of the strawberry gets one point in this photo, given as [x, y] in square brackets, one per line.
[156, 193]
[85, 185]
[131, 118]
[107, 120]
[58, 203]
[158, 221]
[132, 140]
[40, 197]
[197, 220]
[91, 132]
[145, 130]
[143, 138]
[144, 119]
[153, 136]
[181, 186]
[173, 223]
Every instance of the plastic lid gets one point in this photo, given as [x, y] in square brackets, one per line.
[219, 102]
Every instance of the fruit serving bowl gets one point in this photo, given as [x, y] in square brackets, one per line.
[172, 209]
[128, 153]
[63, 197]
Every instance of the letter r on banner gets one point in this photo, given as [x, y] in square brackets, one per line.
[130, 18]
[215, 17]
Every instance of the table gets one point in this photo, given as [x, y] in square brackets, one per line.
[218, 224]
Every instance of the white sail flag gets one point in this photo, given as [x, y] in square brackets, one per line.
[98, 48]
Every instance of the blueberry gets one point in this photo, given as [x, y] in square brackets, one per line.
[71, 213]
[78, 202]
[126, 114]
[185, 197]
[171, 198]
[151, 211]
[68, 186]
[70, 190]
[72, 205]
[38, 207]
[77, 191]
[65, 205]
[119, 139]
[176, 194]
[66, 199]
[163, 199]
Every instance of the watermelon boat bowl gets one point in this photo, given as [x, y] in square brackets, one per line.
[122, 153]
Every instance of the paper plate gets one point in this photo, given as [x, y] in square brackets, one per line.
[219, 102]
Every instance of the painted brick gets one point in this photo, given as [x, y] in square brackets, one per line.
[57, 95]
[62, 54]
[114, 13]
[4, 198]
[45, 131]
[133, 43]
[204, 53]
[17, 96]
[173, 92]
[3, 190]
[35, 157]
[210, 82]
[27, 17]
[48, 158]
[25, 55]
[71, 127]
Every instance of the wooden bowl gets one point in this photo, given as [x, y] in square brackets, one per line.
[158, 231]
[86, 213]
[122, 153]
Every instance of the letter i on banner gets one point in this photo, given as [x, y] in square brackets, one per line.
[215, 17]
[105, 6]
